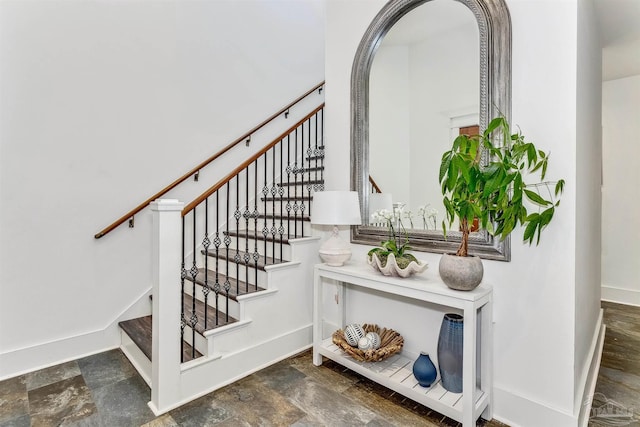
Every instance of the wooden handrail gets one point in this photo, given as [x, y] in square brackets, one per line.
[193, 171]
[374, 185]
[246, 163]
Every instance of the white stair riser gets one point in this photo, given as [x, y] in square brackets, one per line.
[285, 249]
[232, 271]
[200, 342]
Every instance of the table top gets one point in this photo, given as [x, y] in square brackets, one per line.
[426, 285]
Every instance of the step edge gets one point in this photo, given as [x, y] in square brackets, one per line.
[227, 328]
[282, 265]
[185, 366]
[256, 295]
[305, 239]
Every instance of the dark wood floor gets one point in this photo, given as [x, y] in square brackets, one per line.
[105, 390]
[619, 377]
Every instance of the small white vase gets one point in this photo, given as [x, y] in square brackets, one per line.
[392, 268]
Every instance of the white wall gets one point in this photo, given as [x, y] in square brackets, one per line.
[621, 180]
[534, 330]
[445, 85]
[414, 92]
[389, 105]
[588, 194]
[103, 104]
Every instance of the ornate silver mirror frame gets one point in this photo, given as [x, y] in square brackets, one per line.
[494, 23]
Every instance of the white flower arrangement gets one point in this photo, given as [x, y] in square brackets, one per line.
[429, 215]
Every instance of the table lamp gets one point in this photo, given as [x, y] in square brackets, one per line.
[335, 208]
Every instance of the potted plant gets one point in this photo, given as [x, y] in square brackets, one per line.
[393, 258]
[494, 192]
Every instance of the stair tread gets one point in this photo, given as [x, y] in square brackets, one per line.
[283, 217]
[259, 236]
[140, 330]
[293, 183]
[238, 287]
[262, 260]
[312, 169]
[287, 198]
[214, 320]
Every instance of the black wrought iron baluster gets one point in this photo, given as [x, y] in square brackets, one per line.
[316, 154]
[321, 149]
[254, 215]
[217, 242]
[193, 320]
[265, 194]
[274, 193]
[296, 171]
[247, 214]
[183, 276]
[205, 244]
[308, 176]
[281, 194]
[227, 243]
[237, 215]
[288, 204]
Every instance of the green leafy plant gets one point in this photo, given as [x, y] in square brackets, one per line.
[496, 192]
[392, 244]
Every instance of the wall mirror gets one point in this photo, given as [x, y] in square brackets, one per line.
[425, 71]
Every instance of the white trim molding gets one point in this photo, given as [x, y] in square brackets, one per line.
[621, 295]
[44, 355]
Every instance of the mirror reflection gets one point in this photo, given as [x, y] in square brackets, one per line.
[423, 92]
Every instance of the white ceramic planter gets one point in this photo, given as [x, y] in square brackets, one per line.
[461, 273]
[392, 269]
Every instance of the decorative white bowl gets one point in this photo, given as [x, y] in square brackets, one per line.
[392, 269]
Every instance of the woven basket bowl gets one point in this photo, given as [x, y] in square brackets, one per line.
[391, 343]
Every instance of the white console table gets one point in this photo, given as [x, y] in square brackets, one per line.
[396, 372]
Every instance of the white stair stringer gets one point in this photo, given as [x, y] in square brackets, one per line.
[273, 324]
[140, 362]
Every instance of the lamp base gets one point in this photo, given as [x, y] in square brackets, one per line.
[335, 259]
[335, 251]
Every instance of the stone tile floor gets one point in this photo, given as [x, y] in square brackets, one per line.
[105, 390]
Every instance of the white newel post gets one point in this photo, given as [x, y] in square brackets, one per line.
[167, 244]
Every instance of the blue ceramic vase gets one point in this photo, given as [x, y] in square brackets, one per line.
[450, 352]
[424, 370]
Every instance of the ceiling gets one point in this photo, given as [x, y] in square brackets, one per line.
[619, 22]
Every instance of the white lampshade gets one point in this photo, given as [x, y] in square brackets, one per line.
[336, 208]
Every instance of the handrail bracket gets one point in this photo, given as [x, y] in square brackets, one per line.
[131, 222]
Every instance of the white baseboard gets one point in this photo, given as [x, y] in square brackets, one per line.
[585, 384]
[594, 369]
[621, 295]
[519, 411]
[205, 376]
[43, 355]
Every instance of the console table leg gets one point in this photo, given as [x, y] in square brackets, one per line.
[469, 366]
[317, 319]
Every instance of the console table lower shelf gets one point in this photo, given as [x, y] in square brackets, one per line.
[396, 374]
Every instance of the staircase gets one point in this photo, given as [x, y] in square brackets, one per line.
[244, 275]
